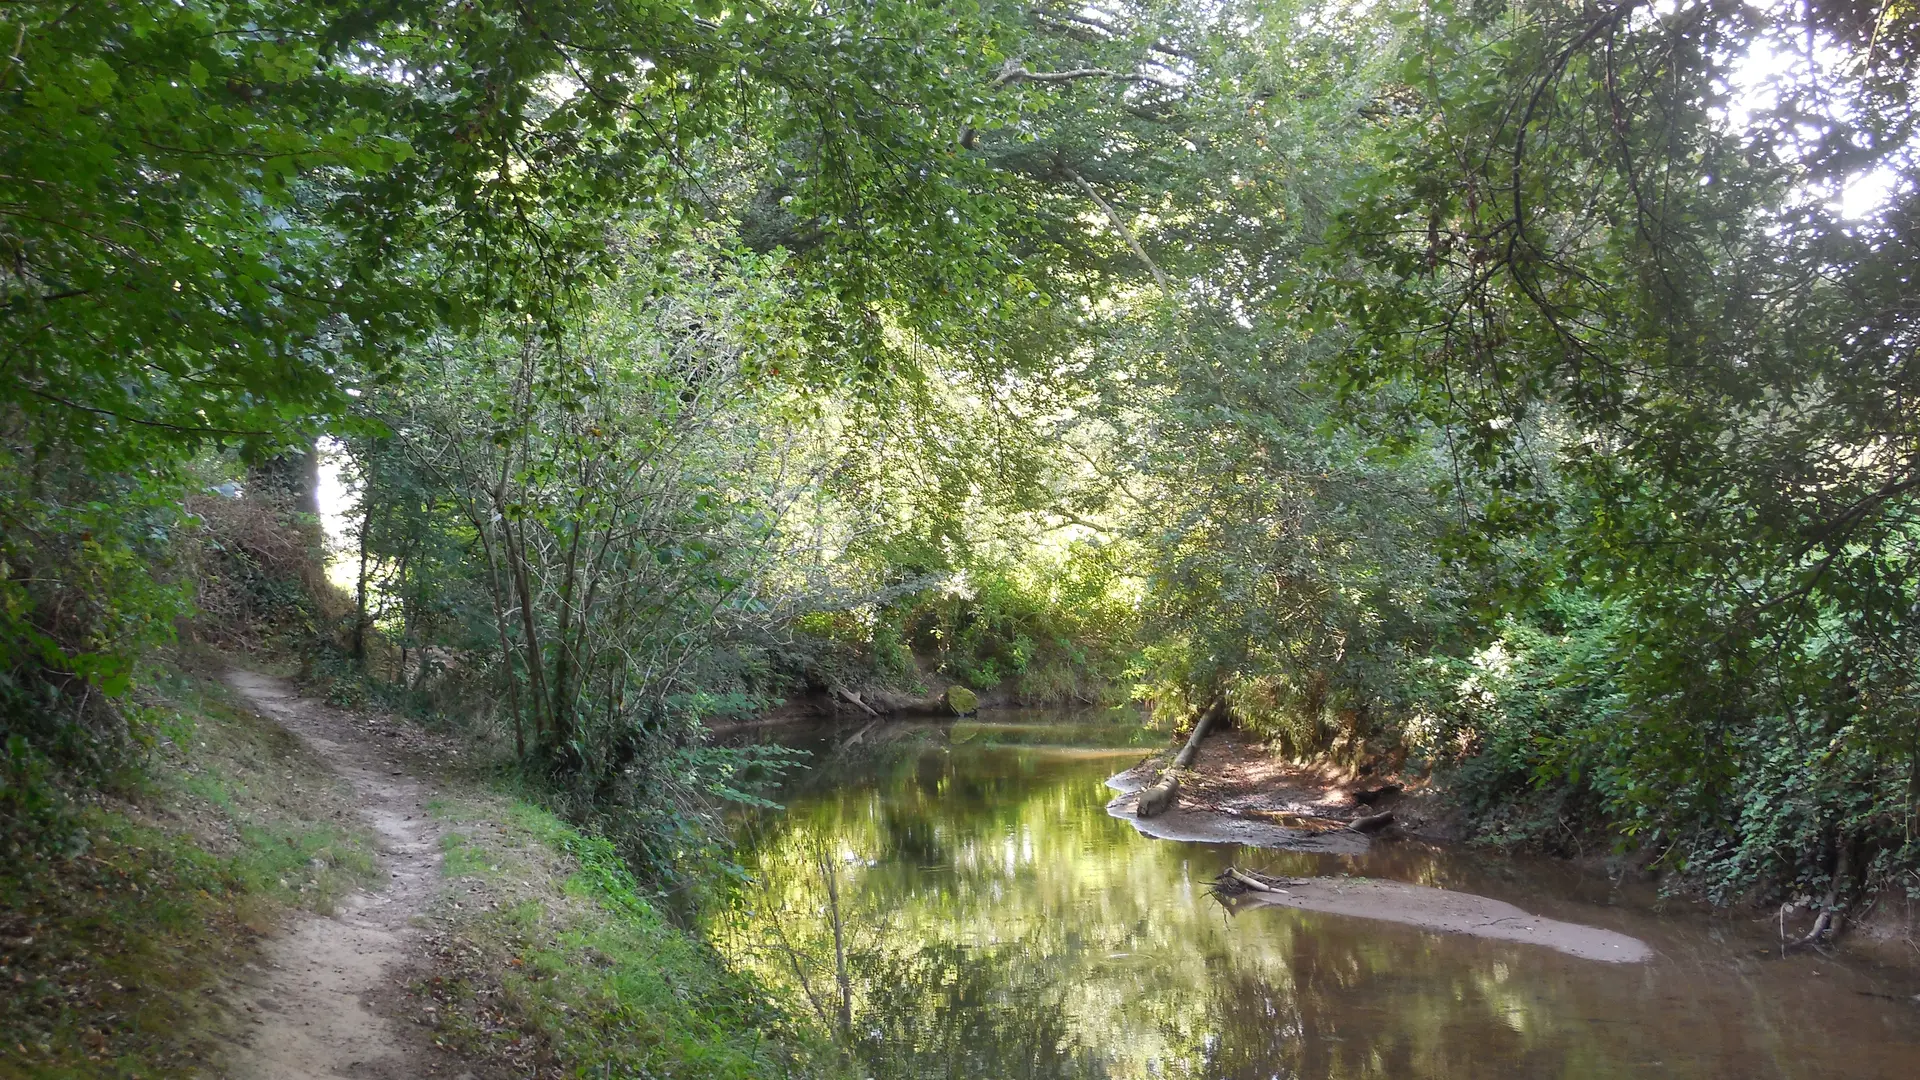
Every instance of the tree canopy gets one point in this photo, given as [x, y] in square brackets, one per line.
[1519, 390]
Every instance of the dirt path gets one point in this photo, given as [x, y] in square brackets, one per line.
[311, 1001]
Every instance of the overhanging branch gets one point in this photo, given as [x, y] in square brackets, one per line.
[1120, 226]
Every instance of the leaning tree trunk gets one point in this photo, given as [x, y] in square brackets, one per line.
[1827, 926]
[1160, 796]
[954, 701]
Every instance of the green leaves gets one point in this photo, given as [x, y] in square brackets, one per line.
[1634, 328]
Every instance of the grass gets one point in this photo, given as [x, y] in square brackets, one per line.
[546, 959]
[114, 951]
[550, 961]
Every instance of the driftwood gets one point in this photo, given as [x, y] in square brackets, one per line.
[1252, 882]
[1371, 823]
[1160, 796]
[954, 701]
[1234, 882]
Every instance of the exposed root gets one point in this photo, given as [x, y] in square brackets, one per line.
[1832, 918]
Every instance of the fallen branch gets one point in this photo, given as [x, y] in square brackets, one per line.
[1159, 797]
[1371, 823]
[852, 698]
[1233, 882]
[1252, 882]
[1201, 728]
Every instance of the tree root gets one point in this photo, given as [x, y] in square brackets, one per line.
[1832, 918]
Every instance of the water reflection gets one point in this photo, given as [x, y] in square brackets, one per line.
[995, 922]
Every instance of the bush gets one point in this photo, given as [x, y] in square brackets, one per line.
[1052, 631]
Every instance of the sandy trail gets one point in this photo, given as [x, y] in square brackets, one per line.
[310, 1001]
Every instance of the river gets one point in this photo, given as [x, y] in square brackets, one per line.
[995, 922]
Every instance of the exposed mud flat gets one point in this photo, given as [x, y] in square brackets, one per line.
[1243, 819]
[1213, 827]
[1447, 912]
[1301, 792]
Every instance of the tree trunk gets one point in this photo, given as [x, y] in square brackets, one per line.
[1160, 797]
[1371, 823]
[506, 645]
[529, 626]
[359, 646]
[1828, 924]
[1201, 729]
[1157, 799]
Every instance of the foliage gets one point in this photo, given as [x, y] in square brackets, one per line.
[1315, 356]
[219, 217]
[1049, 629]
[1652, 335]
[83, 589]
[586, 968]
[596, 527]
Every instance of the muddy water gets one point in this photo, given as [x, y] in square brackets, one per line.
[996, 922]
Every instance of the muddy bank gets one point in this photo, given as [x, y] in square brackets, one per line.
[1239, 793]
[1208, 827]
[1440, 910]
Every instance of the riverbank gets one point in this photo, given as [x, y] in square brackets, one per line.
[1236, 781]
[1238, 791]
[297, 890]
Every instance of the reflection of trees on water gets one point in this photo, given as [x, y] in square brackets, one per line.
[998, 924]
[945, 1010]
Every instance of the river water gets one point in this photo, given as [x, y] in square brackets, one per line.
[994, 921]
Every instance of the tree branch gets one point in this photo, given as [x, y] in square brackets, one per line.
[1017, 72]
[1120, 227]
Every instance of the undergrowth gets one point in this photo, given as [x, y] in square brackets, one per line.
[552, 960]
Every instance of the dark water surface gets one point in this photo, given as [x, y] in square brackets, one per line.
[995, 922]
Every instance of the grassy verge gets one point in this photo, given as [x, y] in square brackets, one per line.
[549, 963]
[114, 948]
[544, 959]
